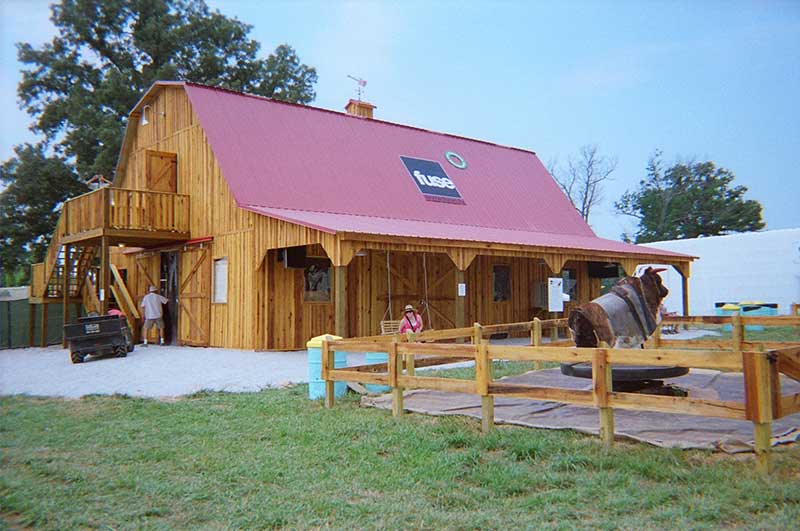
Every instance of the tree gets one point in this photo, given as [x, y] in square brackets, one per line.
[583, 179]
[80, 86]
[37, 185]
[687, 200]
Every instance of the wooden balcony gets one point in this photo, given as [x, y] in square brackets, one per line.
[125, 216]
[107, 216]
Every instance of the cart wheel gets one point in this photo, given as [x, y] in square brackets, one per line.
[121, 351]
[128, 342]
[76, 357]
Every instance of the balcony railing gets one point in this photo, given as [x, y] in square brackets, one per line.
[124, 209]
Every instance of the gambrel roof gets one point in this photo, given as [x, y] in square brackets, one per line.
[337, 173]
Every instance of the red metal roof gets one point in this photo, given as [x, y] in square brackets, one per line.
[340, 173]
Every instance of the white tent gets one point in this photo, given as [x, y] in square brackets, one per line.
[751, 266]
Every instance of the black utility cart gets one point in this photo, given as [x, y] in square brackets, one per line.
[98, 336]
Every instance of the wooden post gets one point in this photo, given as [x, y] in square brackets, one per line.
[685, 288]
[105, 272]
[395, 370]
[460, 303]
[536, 339]
[327, 364]
[65, 270]
[43, 329]
[410, 364]
[602, 385]
[483, 377]
[737, 335]
[31, 324]
[339, 298]
[758, 405]
[477, 334]
[554, 329]
[655, 340]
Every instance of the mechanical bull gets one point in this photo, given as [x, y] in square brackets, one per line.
[624, 317]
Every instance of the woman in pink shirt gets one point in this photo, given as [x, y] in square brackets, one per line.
[411, 321]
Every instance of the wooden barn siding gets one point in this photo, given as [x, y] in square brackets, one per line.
[242, 236]
[292, 321]
[264, 296]
[233, 323]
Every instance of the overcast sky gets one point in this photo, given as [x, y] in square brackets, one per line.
[702, 80]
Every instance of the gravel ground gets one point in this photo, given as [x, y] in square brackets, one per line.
[162, 372]
[155, 371]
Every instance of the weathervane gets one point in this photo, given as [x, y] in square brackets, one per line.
[361, 84]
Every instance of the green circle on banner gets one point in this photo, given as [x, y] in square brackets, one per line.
[456, 160]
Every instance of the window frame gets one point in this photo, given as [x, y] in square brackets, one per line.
[313, 261]
[214, 272]
[508, 289]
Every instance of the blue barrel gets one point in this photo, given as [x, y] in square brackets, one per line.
[753, 309]
[316, 385]
[374, 358]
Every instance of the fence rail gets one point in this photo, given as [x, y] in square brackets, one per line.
[761, 364]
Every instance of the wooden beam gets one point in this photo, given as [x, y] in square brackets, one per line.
[340, 300]
[460, 301]
[43, 329]
[758, 405]
[65, 270]
[685, 291]
[31, 323]
[105, 276]
[601, 386]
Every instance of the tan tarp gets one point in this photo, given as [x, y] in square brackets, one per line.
[660, 429]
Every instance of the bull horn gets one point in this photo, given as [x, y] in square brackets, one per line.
[658, 269]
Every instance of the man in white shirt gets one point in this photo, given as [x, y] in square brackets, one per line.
[153, 313]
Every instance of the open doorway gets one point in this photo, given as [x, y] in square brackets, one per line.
[169, 288]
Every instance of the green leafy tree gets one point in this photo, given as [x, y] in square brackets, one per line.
[80, 86]
[688, 200]
[36, 186]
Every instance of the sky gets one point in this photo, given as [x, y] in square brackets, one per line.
[708, 80]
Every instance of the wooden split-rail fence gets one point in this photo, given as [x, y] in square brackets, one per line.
[762, 363]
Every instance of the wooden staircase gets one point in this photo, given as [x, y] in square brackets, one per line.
[75, 267]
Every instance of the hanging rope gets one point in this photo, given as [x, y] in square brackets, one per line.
[388, 289]
[426, 310]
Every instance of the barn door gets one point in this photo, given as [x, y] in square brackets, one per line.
[162, 171]
[194, 297]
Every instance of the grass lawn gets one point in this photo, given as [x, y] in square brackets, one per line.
[274, 459]
[769, 333]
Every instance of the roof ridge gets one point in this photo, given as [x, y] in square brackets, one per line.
[346, 115]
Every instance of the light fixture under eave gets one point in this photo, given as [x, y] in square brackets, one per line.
[145, 121]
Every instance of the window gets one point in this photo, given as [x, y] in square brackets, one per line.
[220, 281]
[317, 280]
[570, 283]
[501, 280]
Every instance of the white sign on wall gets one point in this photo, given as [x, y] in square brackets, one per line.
[555, 294]
[462, 289]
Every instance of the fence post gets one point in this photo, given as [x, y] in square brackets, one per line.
[737, 336]
[483, 377]
[326, 367]
[477, 334]
[536, 339]
[602, 385]
[395, 370]
[554, 330]
[31, 324]
[759, 406]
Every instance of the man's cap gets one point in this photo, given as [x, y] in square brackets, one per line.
[152, 289]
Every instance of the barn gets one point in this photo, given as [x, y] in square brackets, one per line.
[266, 223]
